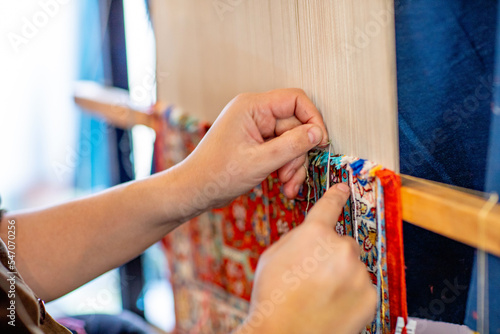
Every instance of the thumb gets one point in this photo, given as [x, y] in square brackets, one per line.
[327, 210]
[290, 145]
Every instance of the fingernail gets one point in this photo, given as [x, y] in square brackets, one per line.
[314, 134]
[297, 188]
[343, 187]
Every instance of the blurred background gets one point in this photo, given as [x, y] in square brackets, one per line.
[51, 151]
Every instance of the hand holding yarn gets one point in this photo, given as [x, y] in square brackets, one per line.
[255, 135]
[311, 280]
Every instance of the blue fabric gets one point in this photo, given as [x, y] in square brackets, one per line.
[493, 171]
[445, 58]
[492, 185]
[93, 163]
[445, 61]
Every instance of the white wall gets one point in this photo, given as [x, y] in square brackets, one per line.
[37, 116]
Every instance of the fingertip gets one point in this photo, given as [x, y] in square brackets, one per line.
[283, 175]
[315, 134]
[343, 187]
[325, 142]
[328, 208]
[291, 189]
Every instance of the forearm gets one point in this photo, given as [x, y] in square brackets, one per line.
[65, 246]
[60, 248]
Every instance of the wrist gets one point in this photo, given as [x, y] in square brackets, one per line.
[213, 182]
[166, 199]
[181, 194]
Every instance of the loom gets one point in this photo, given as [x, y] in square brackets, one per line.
[341, 52]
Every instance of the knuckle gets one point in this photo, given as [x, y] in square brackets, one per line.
[241, 97]
[299, 91]
[282, 174]
[273, 152]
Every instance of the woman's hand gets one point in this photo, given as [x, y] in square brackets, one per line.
[255, 135]
[311, 280]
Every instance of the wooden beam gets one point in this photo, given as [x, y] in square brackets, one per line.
[449, 211]
[454, 212]
[112, 104]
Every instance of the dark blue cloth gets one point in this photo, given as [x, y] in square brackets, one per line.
[445, 62]
[492, 185]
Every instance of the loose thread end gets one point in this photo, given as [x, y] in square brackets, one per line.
[328, 165]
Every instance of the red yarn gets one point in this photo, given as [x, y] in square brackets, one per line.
[394, 238]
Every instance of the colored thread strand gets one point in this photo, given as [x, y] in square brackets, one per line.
[308, 189]
[328, 165]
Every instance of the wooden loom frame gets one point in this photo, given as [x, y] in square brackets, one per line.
[453, 212]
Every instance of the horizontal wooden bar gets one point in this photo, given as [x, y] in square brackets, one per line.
[452, 212]
[112, 104]
[449, 211]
